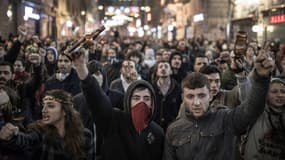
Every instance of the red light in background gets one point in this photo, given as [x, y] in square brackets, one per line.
[277, 18]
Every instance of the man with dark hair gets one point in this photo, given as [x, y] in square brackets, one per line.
[178, 72]
[220, 97]
[141, 67]
[200, 61]
[112, 65]
[168, 94]
[129, 74]
[26, 90]
[203, 134]
[65, 78]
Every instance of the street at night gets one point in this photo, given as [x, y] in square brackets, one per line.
[142, 80]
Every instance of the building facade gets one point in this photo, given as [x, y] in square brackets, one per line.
[187, 19]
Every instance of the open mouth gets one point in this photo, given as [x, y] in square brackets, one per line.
[45, 118]
[279, 101]
[163, 72]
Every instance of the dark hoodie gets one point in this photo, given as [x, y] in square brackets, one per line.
[121, 141]
[51, 66]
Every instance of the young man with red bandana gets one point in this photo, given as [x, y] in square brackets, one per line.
[129, 134]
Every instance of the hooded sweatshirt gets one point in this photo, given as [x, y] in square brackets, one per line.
[121, 140]
[51, 66]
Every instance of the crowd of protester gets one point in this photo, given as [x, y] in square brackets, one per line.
[135, 99]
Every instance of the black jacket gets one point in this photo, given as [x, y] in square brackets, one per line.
[168, 105]
[115, 97]
[71, 84]
[121, 141]
[117, 84]
[213, 136]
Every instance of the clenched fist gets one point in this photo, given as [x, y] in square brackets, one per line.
[264, 64]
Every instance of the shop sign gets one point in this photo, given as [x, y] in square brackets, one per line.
[277, 18]
[29, 13]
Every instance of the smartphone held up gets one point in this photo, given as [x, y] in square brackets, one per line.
[240, 45]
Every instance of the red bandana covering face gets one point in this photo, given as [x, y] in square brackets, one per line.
[140, 115]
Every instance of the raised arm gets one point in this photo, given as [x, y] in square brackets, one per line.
[37, 77]
[98, 102]
[249, 110]
[15, 50]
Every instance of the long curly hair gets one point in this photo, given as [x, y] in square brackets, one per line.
[74, 130]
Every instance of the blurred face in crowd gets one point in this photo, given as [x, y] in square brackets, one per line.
[282, 63]
[52, 112]
[32, 49]
[163, 70]
[18, 66]
[5, 75]
[196, 100]
[181, 45]
[64, 64]
[276, 95]
[111, 53]
[199, 63]
[223, 66]
[138, 46]
[50, 56]
[209, 54]
[176, 62]
[9, 45]
[215, 83]
[128, 68]
[2, 51]
[165, 55]
[249, 52]
[136, 59]
[233, 64]
[158, 57]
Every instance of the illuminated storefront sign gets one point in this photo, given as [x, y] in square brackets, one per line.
[198, 17]
[29, 13]
[277, 18]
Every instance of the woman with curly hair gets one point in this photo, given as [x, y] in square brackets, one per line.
[58, 135]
